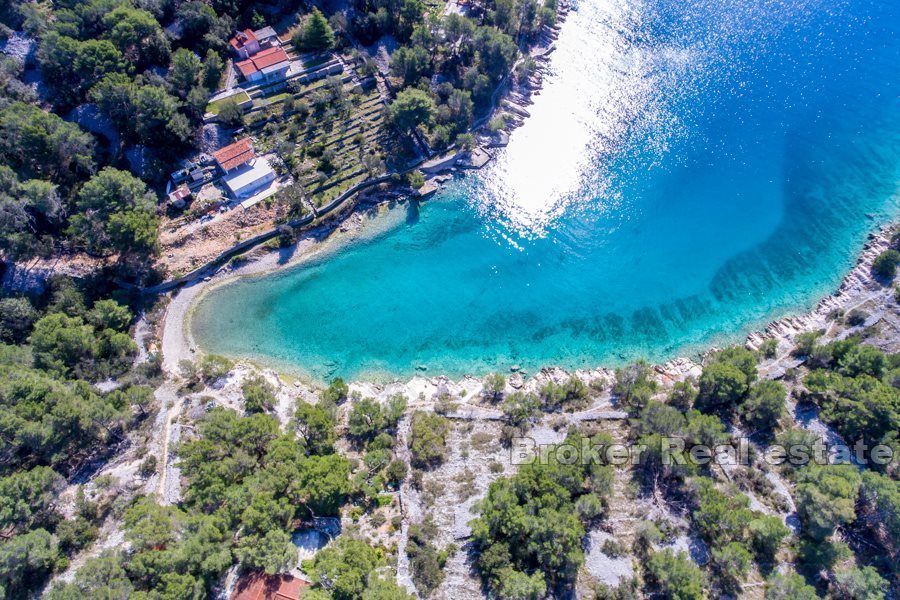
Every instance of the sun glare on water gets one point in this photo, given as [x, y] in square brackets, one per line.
[587, 104]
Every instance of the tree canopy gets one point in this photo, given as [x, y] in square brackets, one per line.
[530, 527]
[315, 34]
[411, 107]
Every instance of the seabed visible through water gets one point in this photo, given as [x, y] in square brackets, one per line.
[690, 170]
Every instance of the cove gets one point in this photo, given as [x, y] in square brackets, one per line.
[690, 170]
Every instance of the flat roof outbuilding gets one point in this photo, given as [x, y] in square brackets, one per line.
[249, 178]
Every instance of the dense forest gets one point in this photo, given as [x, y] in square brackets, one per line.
[138, 74]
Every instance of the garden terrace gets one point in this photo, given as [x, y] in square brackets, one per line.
[330, 135]
[241, 98]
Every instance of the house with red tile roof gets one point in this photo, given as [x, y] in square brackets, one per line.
[233, 156]
[244, 173]
[259, 586]
[270, 64]
[244, 44]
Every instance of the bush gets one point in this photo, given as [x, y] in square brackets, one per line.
[805, 343]
[885, 264]
[426, 562]
[465, 141]
[634, 386]
[683, 395]
[769, 348]
[396, 471]
[16, 318]
[230, 113]
[315, 426]
[335, 393]
[75, 534]
[675, 575]
[765, 405]
[614, 548]
[860, 584]
[826, 497]
[259, 395]
[815, 557]
[286, 236]
[646, 536]
[415, 179]
[494, 385]
[789, 586]
[345, 565]
[148, 466]
[570, 394]
[732, 563]
[497, 123]
[428, 442]
[722, 385]
[315, 150]
[522, 409]
[857, 317]
[368, 417]
[214, 367]
[767, 533]
[326, 162]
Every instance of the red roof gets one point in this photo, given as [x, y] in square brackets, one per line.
[242, 38]
[266, 58]
[180, 193]
[258, 586]
[235, 155]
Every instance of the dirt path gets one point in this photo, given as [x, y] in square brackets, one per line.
[406, 502]
[168, 488]
[141, 333]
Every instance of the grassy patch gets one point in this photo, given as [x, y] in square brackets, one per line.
[240, 98]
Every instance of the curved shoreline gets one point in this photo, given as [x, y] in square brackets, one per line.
[177, 340]
[857, 286]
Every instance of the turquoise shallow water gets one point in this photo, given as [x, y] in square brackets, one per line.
[690, 170]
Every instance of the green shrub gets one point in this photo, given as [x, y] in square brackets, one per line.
[214, 366]
[428, 439]
[768, 348]
[230, 113]
[259, 395]
[856, 317]
[675, 575]
[415, 179]
[885, 264]
[789, 586]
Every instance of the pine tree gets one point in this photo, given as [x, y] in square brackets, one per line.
[315, 35]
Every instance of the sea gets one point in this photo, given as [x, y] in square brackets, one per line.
[690, 170]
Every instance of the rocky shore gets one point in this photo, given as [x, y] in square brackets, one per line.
[858, 289]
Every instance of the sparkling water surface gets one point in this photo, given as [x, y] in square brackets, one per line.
[690, 170]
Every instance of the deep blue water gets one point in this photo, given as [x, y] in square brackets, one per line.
[691, 169]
